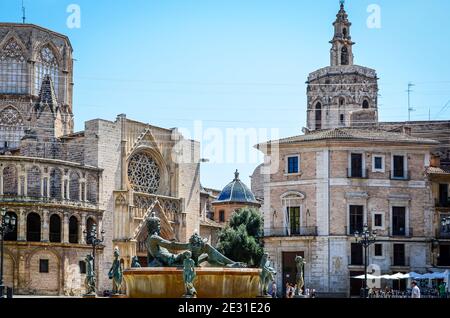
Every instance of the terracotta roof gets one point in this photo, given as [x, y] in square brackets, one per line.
[211, 223]
[355, 134]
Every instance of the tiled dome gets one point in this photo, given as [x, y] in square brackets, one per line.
[236, 191]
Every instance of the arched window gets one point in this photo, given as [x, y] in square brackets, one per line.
[13, 69]
[10, 181]
[46, 64]
[365, 104]
[34, 182]
[341, 101]
[12, 236]
[344, 56]
[90, 225]
[73, 230]
[344, 32]
[92, 188]
[74, 186]
[55, 229]
[12, 127]
[55, 184]
[318, 116]
[33, 227]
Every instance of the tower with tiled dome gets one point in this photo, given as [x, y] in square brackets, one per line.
[234, 196]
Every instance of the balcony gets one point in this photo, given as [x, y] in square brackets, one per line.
[284, 232]
[439, 203]
[358, 174]
[46, 200]
[402, 232]
[400, 261]
[405, 176]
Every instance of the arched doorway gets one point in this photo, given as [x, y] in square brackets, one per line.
[33, 227]
[55, 229]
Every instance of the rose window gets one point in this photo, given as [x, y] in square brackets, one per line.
[143, 174]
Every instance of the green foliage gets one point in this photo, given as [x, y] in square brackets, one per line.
[241, 240]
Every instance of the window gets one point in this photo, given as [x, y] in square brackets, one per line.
[399, 221]
[43, 266]
[55, 229]
[12, 236]
[378, 164]
[293, 164]
[365, 104]
[443, 196]
[444, 255]
[294, 218]
[378, 250]
[356, 165]
[356, 255]
[399, 255]
[378, 220]
[33, 227]
[82, 267]
[318, 116]
[341, 101]
[144, 173]
[398, 167]
[46, 65]
[342, 119]
[73, 230]
[221, 216]
[344, 56]
[356, 218]
[13, 69]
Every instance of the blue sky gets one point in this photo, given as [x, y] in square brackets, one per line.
[240, 63]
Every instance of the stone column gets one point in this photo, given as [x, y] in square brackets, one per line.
[82, 239]
[1, 182]
[66, 228]
[45, 227]
[22, 225]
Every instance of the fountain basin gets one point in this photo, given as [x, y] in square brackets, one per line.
[167, 282]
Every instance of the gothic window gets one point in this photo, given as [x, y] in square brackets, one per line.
[341, 101]
[10, 180]
[344, 56]
[318, 116]
[73, 230]
[74, 187]
[92, 187]
[34, 182]
[55, 184]
[12, 127]
[365, 104]
[46, 64]
[13, 69]
[144, 173]
[33, 227]
[55, 229]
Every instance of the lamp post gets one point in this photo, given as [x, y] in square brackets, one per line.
[94, 241]
[366, 238]
[7, 225]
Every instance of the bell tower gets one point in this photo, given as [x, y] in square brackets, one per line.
[341, 51]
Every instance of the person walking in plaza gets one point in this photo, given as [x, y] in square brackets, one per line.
[442, 291]
[274, 289]
[415, 292]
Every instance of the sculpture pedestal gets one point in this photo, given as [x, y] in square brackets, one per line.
[264, 296]
[210, 282]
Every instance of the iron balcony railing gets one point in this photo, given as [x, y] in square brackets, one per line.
[404, 176]
[358, 174]
[286, 232]
[439, 203]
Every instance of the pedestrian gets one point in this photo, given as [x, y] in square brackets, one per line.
[442, 292]
[313, 293]
[415, 292]
[288, 289]
[274, 289]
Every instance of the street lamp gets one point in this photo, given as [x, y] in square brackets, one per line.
[94, 241]
[366, 238]
[7, 225]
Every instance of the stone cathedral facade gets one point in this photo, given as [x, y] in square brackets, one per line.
[59, 183]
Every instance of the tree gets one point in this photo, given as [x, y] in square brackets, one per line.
[241, 240]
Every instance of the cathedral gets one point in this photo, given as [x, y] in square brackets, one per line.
[62, 185]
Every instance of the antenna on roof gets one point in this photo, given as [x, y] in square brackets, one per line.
[23, 13]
